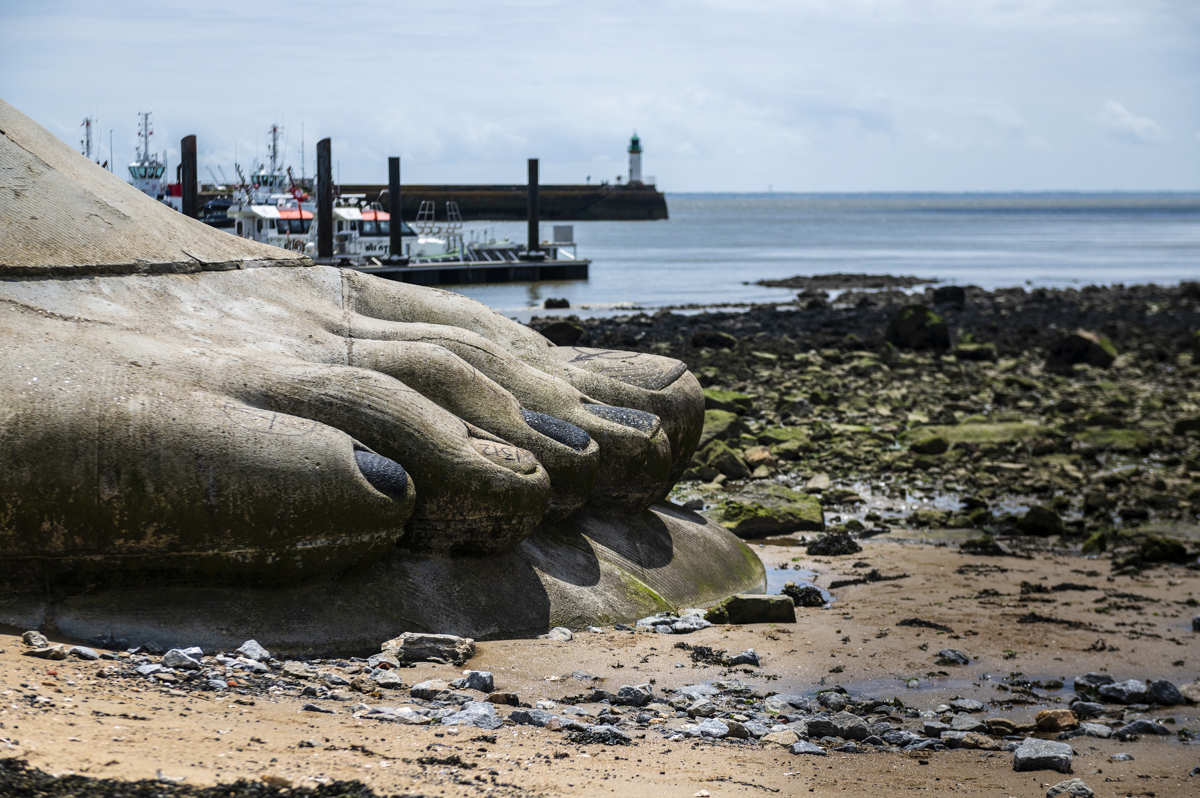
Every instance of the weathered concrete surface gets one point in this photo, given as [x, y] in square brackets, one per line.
[589, 569]
[195, 443]
[62, 214]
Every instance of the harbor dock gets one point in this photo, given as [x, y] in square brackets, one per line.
[459, 273]
[616, 203]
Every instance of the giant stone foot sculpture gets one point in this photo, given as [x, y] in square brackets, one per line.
[179, 405]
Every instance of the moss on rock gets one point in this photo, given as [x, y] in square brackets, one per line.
[1003, 432]
[918, 327]
[724, 458]
[929, 444]
[720, 424]
[1117, 440]
[754, 520]
[729, 401]
[1040, 521]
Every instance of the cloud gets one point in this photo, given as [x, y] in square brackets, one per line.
[1128, 127]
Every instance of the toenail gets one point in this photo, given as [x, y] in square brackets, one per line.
[386, 476]
[639, 420]
[557, 430]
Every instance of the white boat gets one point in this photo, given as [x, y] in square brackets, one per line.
[146, 173]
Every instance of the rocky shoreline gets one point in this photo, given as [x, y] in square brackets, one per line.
[1042, 645]
[982, 414]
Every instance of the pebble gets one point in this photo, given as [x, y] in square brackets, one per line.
[1087, 709]
[1196, 623]
[1056, 720]
[850, 727]
[480, 714]
[1130, 691]
[407, 715]
[430, 690]
[175, 658]
[531, 717]
[386, 677]
[832, 699]
[511, 699]
[316, 708]
[1096, 730]
[297, 670]
[560, 633]
[1121, 756]
[805, 747]
[380, 660]
[632, 696]
[1035, 754]
[83, 652]
[1142, 726]
[35, 639]
[709, 727]
[252, 650]
[966, 723]
[419, 647]
[966, 705]
[747, 657]
[1073, 787]
[783, 738]
[688, 625]
[935, 728]
[1089, 682]
[483, 681]
[607, 734]
[952, 656]
[55, 651]
[1163, 692]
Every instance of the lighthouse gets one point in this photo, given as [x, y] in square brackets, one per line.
[635, 160]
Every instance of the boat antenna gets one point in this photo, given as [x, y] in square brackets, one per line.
[144, 134]
[274, 148]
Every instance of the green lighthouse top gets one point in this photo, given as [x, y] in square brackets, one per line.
[635, 144]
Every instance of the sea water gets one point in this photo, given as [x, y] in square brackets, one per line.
[715, 247]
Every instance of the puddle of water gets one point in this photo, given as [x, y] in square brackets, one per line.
[778, 577]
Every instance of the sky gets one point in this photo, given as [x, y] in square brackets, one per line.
[745, 96]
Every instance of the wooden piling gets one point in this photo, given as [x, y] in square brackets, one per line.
[534, 238]
[324, 199]
[396, 226]
[187, 149]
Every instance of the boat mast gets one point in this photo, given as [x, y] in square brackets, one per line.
[274, 148]
[144, 134]
[86, 144]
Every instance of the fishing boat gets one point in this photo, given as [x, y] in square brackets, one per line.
[146, 173]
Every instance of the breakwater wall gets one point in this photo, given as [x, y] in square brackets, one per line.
[508, 202]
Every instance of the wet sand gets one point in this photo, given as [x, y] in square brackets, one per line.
[129, 727]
